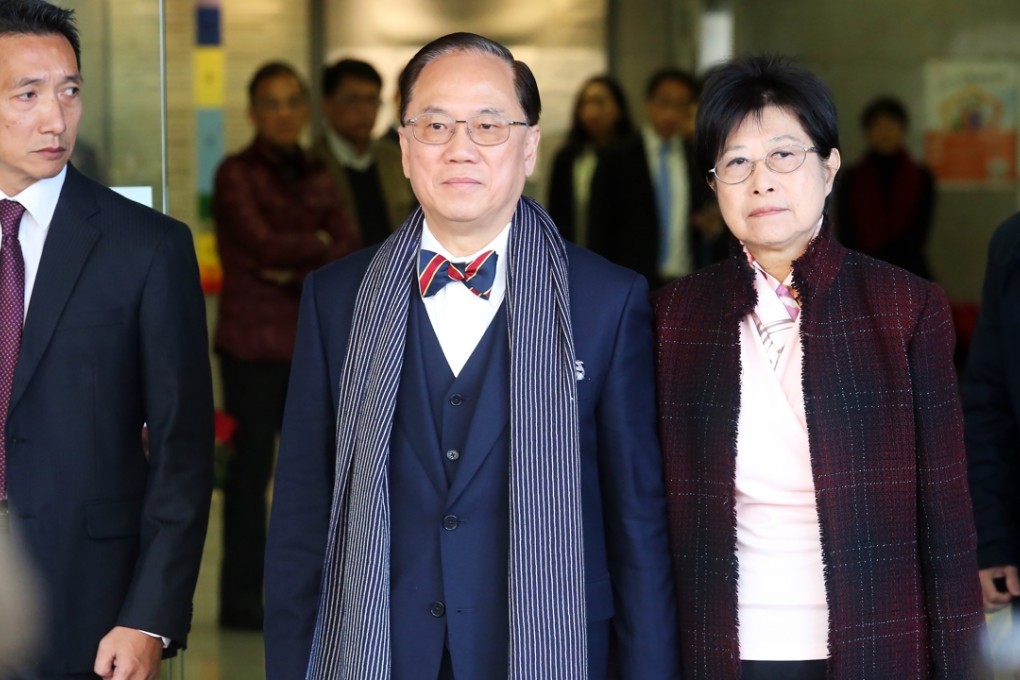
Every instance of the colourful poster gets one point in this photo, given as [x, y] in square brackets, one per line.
[971, 120]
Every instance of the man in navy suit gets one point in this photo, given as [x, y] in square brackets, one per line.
[113, 340]
[469, 480]
[991, 407]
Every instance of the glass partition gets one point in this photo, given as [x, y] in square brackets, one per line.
[121, 138]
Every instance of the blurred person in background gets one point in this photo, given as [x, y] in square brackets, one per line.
[368, 173]
[647, 199]
[19, 608]
[885, 202]
[600, 117]
[278, 217]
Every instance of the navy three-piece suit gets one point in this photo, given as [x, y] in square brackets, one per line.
[449, 454]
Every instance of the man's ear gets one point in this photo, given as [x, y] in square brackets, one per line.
[534, 135]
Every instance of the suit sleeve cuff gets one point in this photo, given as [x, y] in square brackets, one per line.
[166, 640]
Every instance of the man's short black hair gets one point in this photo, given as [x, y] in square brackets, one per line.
[524, 80]
[273, 69]
[676, 74]
[348, 68]
[35, 17]
[888, 107]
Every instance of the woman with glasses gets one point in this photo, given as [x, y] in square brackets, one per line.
[810, 423]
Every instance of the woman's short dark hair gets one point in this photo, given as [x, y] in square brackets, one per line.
[524, 80]
[745, 86]
[888, 107]
[578, 137]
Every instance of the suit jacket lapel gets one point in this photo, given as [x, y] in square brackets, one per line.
[68, 243]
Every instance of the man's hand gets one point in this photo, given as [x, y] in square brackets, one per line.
[993, 597]
[129, 654]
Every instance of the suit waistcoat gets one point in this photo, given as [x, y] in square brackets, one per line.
[449, 501]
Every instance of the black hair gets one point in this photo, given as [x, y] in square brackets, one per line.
[889, 107]
[35, 17]
[524, 80]
[745, 87]
[670, 73]
[273, 69]
[577, 136]
[348, 68]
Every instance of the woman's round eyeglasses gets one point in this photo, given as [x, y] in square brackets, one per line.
[736, 169]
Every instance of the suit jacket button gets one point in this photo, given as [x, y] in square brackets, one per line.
[437, 609]
[456, 400]
[452, 454]
[450, 522]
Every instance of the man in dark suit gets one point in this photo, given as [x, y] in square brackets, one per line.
[113, 341]
[651, 209]
[991, 404]
[469, 482]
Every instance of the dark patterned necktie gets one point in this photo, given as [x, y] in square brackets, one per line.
[12, 316]
[435, 271]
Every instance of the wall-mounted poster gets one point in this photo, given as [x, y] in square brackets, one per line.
[971, 120]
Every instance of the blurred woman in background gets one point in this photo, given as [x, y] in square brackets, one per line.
[600, 118]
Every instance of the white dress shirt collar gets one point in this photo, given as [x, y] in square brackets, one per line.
[40, 198]
[40, 201]
[654, 143]
[345, 153]
[459, 317]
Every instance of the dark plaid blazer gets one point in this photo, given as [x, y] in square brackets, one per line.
[886, 438]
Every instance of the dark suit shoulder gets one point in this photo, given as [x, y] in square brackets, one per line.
[346, 271]
[595, 273]
[1005, 241]
[82, 194]
[631, 148]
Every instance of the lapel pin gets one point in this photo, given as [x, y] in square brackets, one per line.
[579, 369]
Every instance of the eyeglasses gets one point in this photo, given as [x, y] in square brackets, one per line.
[484, 130]
[736, 169]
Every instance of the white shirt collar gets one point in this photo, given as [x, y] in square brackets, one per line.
[458, 316]
[653, 142]
[40, 198]
[345, 153]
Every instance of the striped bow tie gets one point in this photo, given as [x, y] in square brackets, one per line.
[435, 271]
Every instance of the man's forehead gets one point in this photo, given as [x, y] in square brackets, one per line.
[31, 57]
[479, 80]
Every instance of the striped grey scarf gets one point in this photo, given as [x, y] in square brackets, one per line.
[546, 569]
